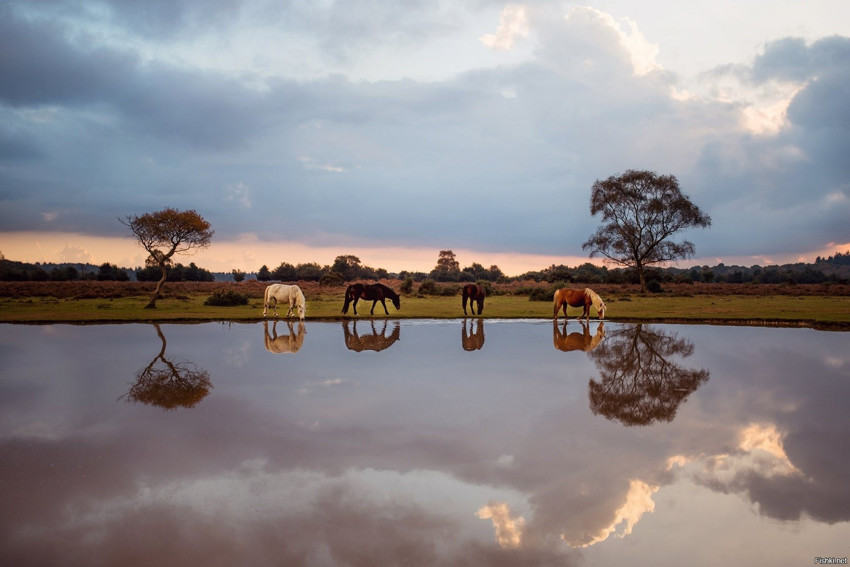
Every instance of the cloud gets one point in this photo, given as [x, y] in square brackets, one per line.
[101, 120]
[513, 24]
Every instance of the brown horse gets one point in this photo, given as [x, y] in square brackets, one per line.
[473, 292]
[473, 339]
[583, 341]
[578, 298]
[375, 292]
[376, 342]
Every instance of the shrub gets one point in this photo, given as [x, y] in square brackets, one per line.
[541, 294]
[228, 298]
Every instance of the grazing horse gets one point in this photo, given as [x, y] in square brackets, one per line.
[375, 292]
[280, 344]
[291, 294]
[578, 298]
[375, 342]
[473, 339]
[577, 341]
[473, 292]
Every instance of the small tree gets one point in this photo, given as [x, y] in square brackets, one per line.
[641, 211]
[238, 275]
[263, 274]
[447, 268]
[166, 233]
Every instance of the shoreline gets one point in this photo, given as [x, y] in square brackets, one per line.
[833, 326]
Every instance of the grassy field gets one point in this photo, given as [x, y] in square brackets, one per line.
[79, 302]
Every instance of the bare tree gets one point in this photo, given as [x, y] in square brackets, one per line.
[641, 211]
[166, 233]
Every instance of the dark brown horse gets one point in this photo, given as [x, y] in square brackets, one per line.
[578, 298]
[374, 292]
[374, 342]
[473, 292]
[472, 339]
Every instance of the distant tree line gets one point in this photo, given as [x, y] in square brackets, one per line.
[12, 271]
[175, 273]
[346, 268]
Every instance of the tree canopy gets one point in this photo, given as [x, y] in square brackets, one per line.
[166, 233]
[641, 211]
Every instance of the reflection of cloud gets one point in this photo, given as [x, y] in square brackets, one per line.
[638, 502]
[508, 530]
[760, 454]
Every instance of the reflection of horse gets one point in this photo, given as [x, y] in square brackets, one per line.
[473, 340]
[290, 294]
[473, 292]
[578, 298]
[577, 341]
[284, 343]
[376, 342]
[375, 292]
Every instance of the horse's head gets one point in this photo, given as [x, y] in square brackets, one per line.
[600, 309]
[397, 302]
[481, 305]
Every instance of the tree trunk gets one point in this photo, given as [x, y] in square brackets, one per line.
[642, 278]
[152, 302]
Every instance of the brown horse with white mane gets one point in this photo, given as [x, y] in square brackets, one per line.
[473, 292]
[578, 298]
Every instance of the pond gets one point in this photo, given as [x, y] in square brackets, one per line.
[419, 442]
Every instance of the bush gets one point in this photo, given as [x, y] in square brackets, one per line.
[227, 298]
[407, 286]
[541, 294]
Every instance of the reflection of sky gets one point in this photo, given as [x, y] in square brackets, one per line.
[422, 452]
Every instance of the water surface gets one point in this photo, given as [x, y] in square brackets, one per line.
[477, 442]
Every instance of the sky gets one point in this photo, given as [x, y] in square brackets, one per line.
[391, 131]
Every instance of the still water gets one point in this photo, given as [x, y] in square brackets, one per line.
[477, 442]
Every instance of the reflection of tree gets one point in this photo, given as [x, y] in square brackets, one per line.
[279, 344]
[583, 341]
[473, 339]
[169, 384]
[375, 341]
[640, 384]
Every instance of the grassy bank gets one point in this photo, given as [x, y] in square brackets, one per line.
[816, 306]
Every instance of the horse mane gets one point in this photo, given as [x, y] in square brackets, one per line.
[594, 298]
[386, 289]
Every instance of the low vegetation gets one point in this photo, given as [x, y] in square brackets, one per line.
[817, 305]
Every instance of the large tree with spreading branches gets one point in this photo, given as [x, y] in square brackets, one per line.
[166, 233]
[641, 212]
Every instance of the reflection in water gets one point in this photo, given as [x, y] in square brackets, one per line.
[577, 341]
[169, 384]
[280, 344]
[473, 339]
[375, 341]
[640, 383]
[420, 455]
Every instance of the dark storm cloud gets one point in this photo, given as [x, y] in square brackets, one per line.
[39, 66]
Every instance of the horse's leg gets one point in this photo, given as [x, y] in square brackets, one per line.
[356, 299]
[463, 302]
[384, 303]
[291, 305]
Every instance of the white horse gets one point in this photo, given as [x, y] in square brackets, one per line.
[281, 344]
[291, 294]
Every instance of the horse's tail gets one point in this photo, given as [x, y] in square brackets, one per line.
[266, 300]
[348, 299]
